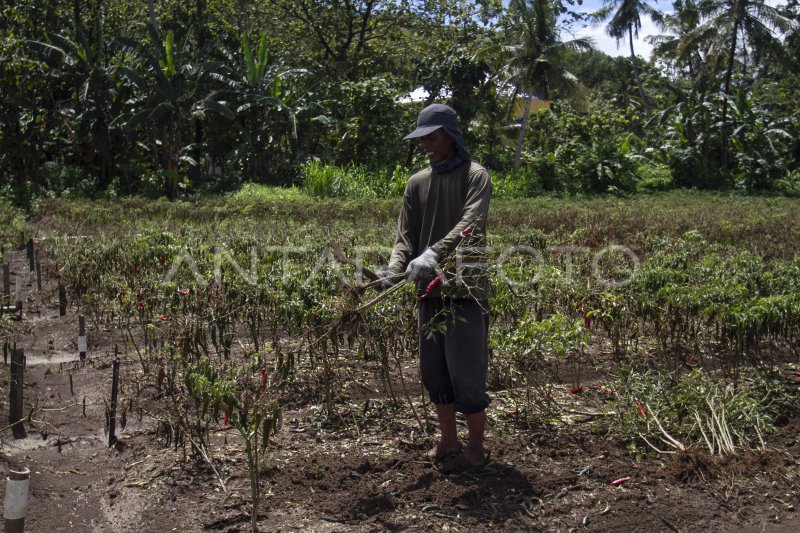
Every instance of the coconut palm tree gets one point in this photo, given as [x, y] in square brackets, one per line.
[684, 19]
[164, 77]
[626, 20]
[536, 56]
[724, 22]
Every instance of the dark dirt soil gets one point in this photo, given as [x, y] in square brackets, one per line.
[365, 472]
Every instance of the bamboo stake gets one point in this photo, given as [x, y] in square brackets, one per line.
[38, 272]
[82, 338]
[18, 293]
[6, 285]
[62, 300]
[16, 384]
[112, 416]
[30, 254]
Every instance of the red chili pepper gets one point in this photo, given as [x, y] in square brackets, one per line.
[640, 407]
[432, 285]
[576, 390]
[263, 379]
[226, 421]
[345, 411]
[466, 231]
[162, 318]
[620, 481]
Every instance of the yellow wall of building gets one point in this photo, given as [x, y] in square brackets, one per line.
[536, 105]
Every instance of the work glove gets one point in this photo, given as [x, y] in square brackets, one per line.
[388, 278]
[423, 267]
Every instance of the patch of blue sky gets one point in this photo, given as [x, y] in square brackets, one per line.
[611, 46]
[608, 44]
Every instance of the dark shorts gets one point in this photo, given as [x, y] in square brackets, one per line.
[454, 358]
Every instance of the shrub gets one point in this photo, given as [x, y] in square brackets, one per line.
[790, 186]
[653, 177]
[522, 183]
[695, 166]
[370, 121]
[353, 181]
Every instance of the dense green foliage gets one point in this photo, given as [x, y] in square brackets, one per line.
[176, 98]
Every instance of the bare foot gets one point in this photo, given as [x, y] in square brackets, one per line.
[467, 461]
[475, 457]
[441, 451]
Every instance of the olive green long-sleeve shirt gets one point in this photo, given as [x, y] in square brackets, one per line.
[436, 209]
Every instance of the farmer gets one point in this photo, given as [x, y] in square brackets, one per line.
[444, 206]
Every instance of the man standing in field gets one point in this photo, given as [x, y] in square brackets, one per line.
[444, 206]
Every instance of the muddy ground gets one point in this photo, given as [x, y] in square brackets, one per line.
[363, 472]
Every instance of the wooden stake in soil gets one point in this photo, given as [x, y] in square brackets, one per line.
[16, 384]
[62, 300]
[6, 284]
[38, 273]
[82, 338]
[30, 254]
[112, 416]
[18, 293]
[16, 500]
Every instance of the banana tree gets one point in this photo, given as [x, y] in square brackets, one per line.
[266, 108]
[760, 141]
[166, 81]
[97, 96]
[691, 140]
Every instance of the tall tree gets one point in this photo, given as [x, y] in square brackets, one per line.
[151, 13]
[164, 76]
[95, 99]
[262, 113]
[342, 33]
[537, 54]
[684, 19]
[626, 20]
[724, 22]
